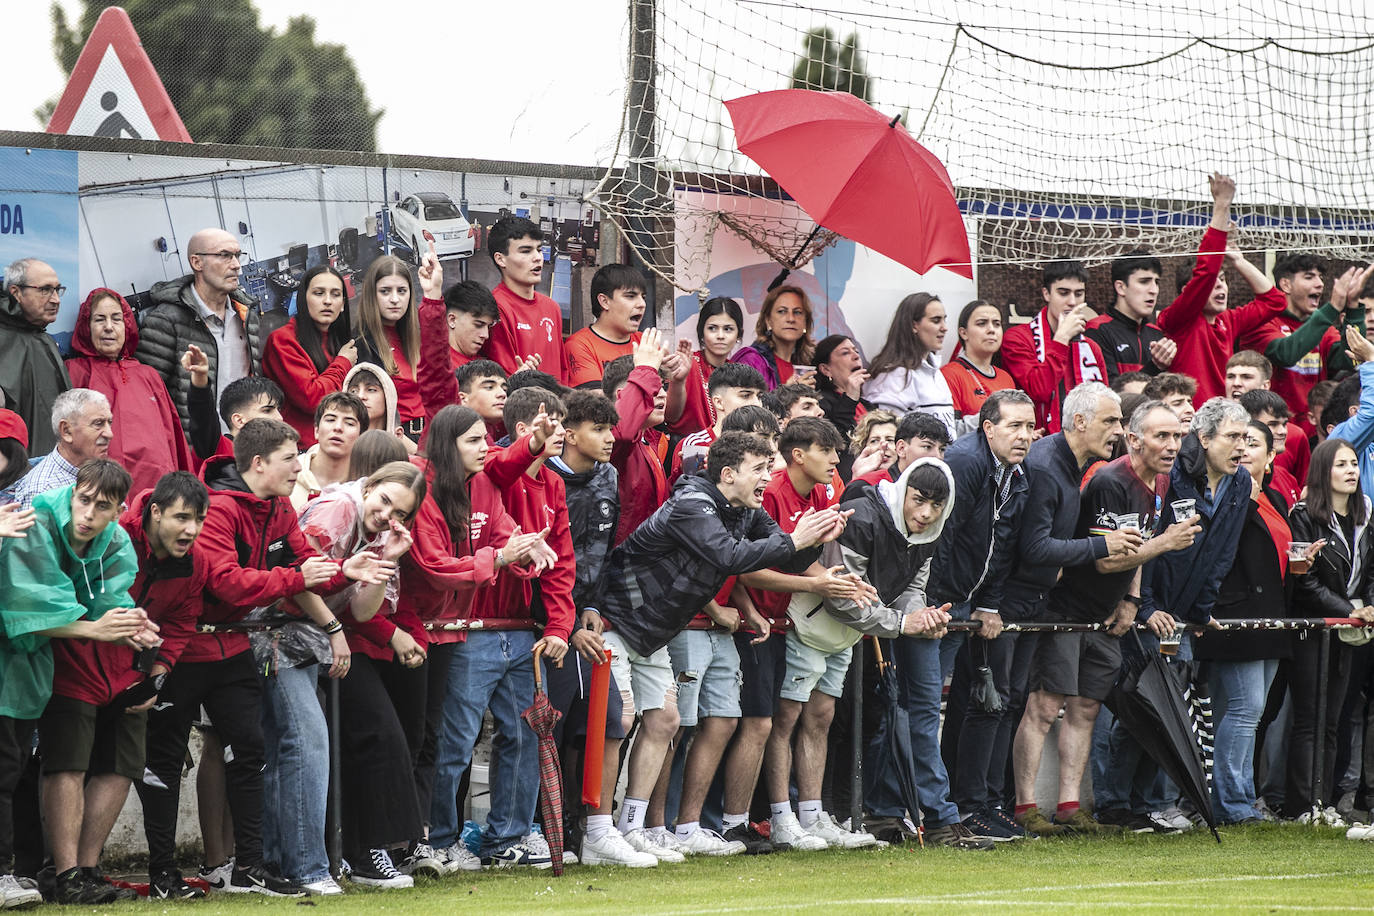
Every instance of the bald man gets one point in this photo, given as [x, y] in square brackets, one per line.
[208, 309]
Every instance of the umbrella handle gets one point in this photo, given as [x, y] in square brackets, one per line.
[878, 651]
[538, 672]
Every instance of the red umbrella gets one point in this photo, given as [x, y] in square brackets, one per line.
[857, 172]
[542, 717]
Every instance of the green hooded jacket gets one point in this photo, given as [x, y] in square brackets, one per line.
[45, 585]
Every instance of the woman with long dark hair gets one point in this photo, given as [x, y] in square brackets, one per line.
[388, 327]
[840, 378]
[720, 324]
[1339, 584]
[782, 338]
[311, 354]
[463, 537]
[906, 372]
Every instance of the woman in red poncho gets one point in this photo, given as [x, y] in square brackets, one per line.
[147, 439]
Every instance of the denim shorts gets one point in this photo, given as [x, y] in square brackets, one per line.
[645, 682]
[810, 669]
[706, 668]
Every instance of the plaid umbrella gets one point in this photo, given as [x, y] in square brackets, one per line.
[542, 717]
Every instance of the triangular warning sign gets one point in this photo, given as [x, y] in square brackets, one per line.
[114, 90]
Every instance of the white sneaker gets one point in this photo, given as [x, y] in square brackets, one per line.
[540, 844]
[1360, 833]
[641, 841]
[1177, 818]
[1325, 818]
[217, 878]
[787, 833]
[612, 849]
[325, 887]
[457, 858]
[15, 896]
[836, 836]
[703, 842]
[876, 844]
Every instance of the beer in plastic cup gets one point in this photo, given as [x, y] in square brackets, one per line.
[1183, 508]
[1168, 645]
[1298, 563]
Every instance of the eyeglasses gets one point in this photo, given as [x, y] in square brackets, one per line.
[239, 256]
[47, 291]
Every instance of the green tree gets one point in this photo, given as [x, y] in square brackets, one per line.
[831, 65]
[233, 81]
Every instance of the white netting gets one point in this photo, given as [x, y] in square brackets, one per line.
[1075, 129]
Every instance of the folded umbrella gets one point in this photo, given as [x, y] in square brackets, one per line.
[542, 718]
[1148, 700]
[894, 737]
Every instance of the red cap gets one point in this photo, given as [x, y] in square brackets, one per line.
[12, 427]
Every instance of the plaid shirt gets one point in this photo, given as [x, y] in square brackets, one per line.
[48, 474]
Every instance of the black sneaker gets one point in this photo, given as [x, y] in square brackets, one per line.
[956, 836]
[999, 817]
[755, 843]
[73, 886]
[420, 860]
[1127, 820]
[979, 824]
[96, 877]
[169, 885]
[257, 879]
[377, 870]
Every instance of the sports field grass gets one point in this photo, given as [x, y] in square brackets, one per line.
[1266, 868]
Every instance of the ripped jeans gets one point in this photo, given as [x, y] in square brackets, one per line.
[707, 675]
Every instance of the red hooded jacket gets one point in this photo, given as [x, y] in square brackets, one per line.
[169, 590]
[147, 439]
[285, 362]
[254, 548]
[643, 485]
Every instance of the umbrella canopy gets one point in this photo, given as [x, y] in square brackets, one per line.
[857, 172]
[894, 738]
[542, 718]
[1149, 700]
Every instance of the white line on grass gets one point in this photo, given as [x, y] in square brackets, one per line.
[997, 897]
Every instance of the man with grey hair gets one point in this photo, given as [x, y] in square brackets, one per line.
[32, 373]
[81, 424]
[206, 308]
[1205, 482]
[1091, 427]
[1075, 671]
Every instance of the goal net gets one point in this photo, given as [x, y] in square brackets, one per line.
[1078, 129]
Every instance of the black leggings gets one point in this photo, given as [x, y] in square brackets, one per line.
[1303, 732]
[377, 763]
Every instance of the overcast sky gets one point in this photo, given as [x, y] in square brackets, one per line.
[491, 85]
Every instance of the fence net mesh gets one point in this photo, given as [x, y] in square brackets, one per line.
[1077, 129]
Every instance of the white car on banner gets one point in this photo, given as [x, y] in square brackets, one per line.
[432, 216]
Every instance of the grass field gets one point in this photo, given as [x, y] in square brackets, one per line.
[1260, 869]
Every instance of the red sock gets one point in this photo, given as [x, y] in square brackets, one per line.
[1022, 809]
[1066, 810]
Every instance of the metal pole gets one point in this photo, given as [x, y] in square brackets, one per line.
[856, 739]
[333, 838]
[1319, 744]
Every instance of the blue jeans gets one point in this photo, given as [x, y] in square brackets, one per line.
[1239, 691]
[492, 670]
[953, 642]
[295, 781]
[919, 686]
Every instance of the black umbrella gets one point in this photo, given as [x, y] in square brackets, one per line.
[1149, 701]
[894, 737]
